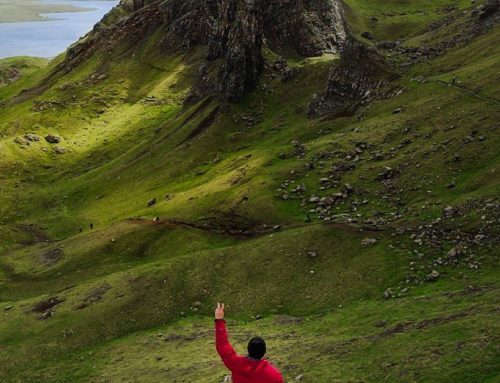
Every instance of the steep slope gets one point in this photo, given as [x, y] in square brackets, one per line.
[233, 32]
[310, 163]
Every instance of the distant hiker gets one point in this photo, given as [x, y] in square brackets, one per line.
[454, 81]
[91, 225]
[81, 230]
[245, 369]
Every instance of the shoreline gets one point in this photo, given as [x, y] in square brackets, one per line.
[20, 11]
[49, 39]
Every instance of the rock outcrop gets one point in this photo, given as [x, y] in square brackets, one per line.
[488, 9]
[232, 31]
[358, 78]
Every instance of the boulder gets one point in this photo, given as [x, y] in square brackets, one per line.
[32, 137]
[21, 141]
[52, 139]
[369, 241]
[367, 35]
[433, 276]
[449, 212]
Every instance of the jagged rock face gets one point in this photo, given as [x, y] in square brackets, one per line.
[236, 37]
[359, 78]
[234, 32]
[312, 27]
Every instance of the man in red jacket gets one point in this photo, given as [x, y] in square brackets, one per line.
[245, 369]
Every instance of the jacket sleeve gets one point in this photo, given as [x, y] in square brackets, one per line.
[278, 378]
[224, 348]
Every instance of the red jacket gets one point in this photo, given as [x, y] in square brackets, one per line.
[244, 369]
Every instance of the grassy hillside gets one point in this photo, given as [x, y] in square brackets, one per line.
[391, 277]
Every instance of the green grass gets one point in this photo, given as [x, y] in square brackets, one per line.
[125, 147]
[29, 69]
[398, 19]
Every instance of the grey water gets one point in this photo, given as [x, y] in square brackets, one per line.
[51, 37]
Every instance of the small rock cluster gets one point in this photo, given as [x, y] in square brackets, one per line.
[32, 138]
[40, 106]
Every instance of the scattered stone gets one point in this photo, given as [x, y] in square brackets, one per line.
[312, 253]
[47, 314]
[152, 202]
[324, 181]
[388, 294]
[21, 141]
[299, 378]
[369, 241]
[60, 150]
[68, 333]
[9, 307]
[453, 253]
[32, 137]
[367, 35]
[47, 304]
[433, 276]
[449, 212]
[40, 106]
[381, 323]
[388, 173]
[52, 139]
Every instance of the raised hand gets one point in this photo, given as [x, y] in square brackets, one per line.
[219, 311]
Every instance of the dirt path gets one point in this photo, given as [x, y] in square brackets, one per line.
[470, 92]
[251, 231]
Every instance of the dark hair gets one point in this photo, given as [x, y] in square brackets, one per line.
[256, 348]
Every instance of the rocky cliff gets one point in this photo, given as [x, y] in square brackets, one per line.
[359, 77]
[233, 33]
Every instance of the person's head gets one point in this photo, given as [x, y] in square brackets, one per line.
[256, 348]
